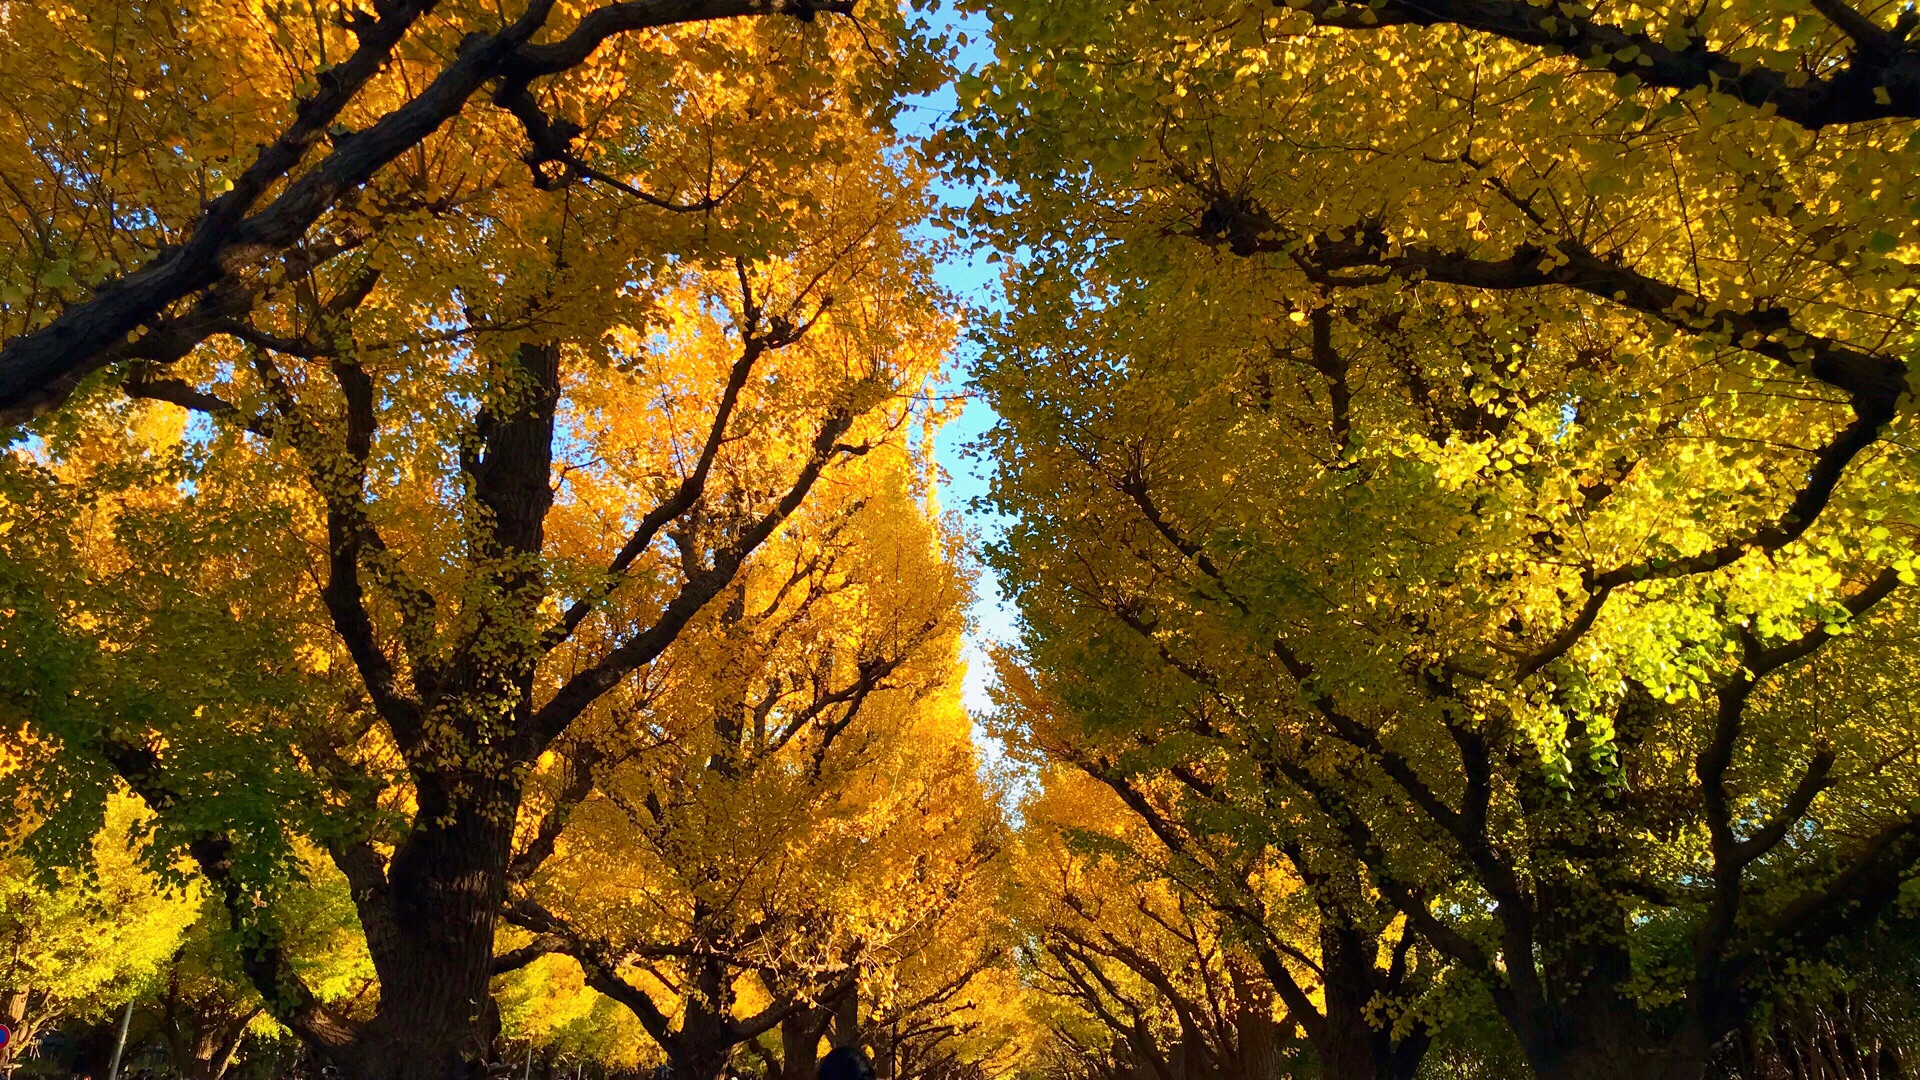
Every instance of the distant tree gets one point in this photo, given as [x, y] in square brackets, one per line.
[77, 943]
[1117, 936]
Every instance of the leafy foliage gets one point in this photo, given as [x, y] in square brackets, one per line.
[471, 593]
[1447, 458]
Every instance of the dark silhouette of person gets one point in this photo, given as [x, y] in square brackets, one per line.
[846, 1063]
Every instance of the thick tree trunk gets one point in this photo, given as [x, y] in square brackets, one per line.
[705, 1041]
[1604, 1036]
[800, 1043]
[1613, 1062]
[431, 935]
[1353, 1046]
[432, 938]
[16, 1012]
[846, 1018]
[1588, 1027]
[1257, 1042]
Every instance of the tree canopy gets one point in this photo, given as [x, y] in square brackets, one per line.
[480, 591]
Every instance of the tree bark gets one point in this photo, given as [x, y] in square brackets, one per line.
[846, 1018]
[447, 882]
[1603, 1059]
[1353, 1045]
[1594, 1030]
[800, 1043]
[706, 1037]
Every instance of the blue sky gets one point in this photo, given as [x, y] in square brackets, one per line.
[977, 284]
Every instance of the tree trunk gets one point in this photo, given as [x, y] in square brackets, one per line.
[705, 1041]
[432, 939]
[1604, 1036]
[14, 1012]
[1613, 1063]
[209, 1051]
[846, 1018]
[703, 1062]
[1257, 1041]
[1353, 1046]
[800, 1043]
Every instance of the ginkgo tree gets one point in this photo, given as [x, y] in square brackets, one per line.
[1484, 442]
[1270, 914]
[1455, 454]
[451, 491]
[784, 810]
[1342, 629]
[1135, 973]
[1325, 641]
[79, 941]
[168, 170]
[203, 1011]
[1528, 164]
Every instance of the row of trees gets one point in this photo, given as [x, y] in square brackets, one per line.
[470, 588]
[481, 474]
[107, 962]
[1461, 509]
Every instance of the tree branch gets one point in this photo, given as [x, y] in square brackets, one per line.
[691, 487]
[1873, 382]
[39, 359]
[600, 964]
[227, 235]
[586, 686]
[1880, 59]
[1732, 855]
[263, 957]
[192, 398]
[581, 762]
[1829, 466]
